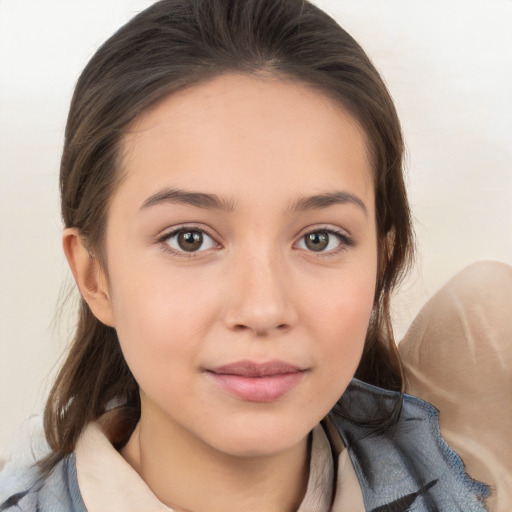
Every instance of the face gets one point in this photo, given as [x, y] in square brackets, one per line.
[242, 257]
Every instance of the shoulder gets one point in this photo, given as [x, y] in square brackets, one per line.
[402, 462]
[16, 483]
[457, 355]
[30, 492]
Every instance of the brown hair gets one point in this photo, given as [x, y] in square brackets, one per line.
[171, 45]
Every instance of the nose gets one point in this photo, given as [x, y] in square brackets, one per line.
[258, 299]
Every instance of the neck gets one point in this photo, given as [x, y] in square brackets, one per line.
[189, 476]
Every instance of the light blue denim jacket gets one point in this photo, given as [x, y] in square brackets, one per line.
[406, 466]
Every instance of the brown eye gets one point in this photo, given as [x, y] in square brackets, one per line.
[323, 240]
[189, 240]
[317, 241]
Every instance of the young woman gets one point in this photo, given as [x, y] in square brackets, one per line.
[236, 219]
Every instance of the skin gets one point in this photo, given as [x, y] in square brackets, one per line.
[255, 291]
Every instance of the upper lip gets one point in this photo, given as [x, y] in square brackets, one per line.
[254, 369]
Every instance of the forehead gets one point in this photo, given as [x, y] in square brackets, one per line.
[239, 133]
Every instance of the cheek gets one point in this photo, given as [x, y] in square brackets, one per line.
[339, 357]
[341, 333]
[339, 318]
[160, 320]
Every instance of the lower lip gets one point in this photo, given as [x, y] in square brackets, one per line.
[258, 389]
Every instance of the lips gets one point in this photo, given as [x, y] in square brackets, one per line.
[251, 369]
[257, 382]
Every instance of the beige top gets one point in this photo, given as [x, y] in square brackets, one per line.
[108, 482]
[457, 355]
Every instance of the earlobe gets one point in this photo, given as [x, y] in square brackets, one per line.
[89, 276]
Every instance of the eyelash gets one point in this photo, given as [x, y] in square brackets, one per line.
[345, 241]
[164, 241]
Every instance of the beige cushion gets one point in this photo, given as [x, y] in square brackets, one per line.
[458, 356]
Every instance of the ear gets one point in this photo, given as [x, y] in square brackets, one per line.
[89, 275]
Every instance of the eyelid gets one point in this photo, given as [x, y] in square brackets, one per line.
[175, 230]
[344, 237]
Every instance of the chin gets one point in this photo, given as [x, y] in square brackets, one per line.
[255, 450]
[259, 441]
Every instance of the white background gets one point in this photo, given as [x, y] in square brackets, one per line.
[447, 63]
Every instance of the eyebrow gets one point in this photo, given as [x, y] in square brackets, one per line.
[197, 199]
[327, 199]
[214, 202]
